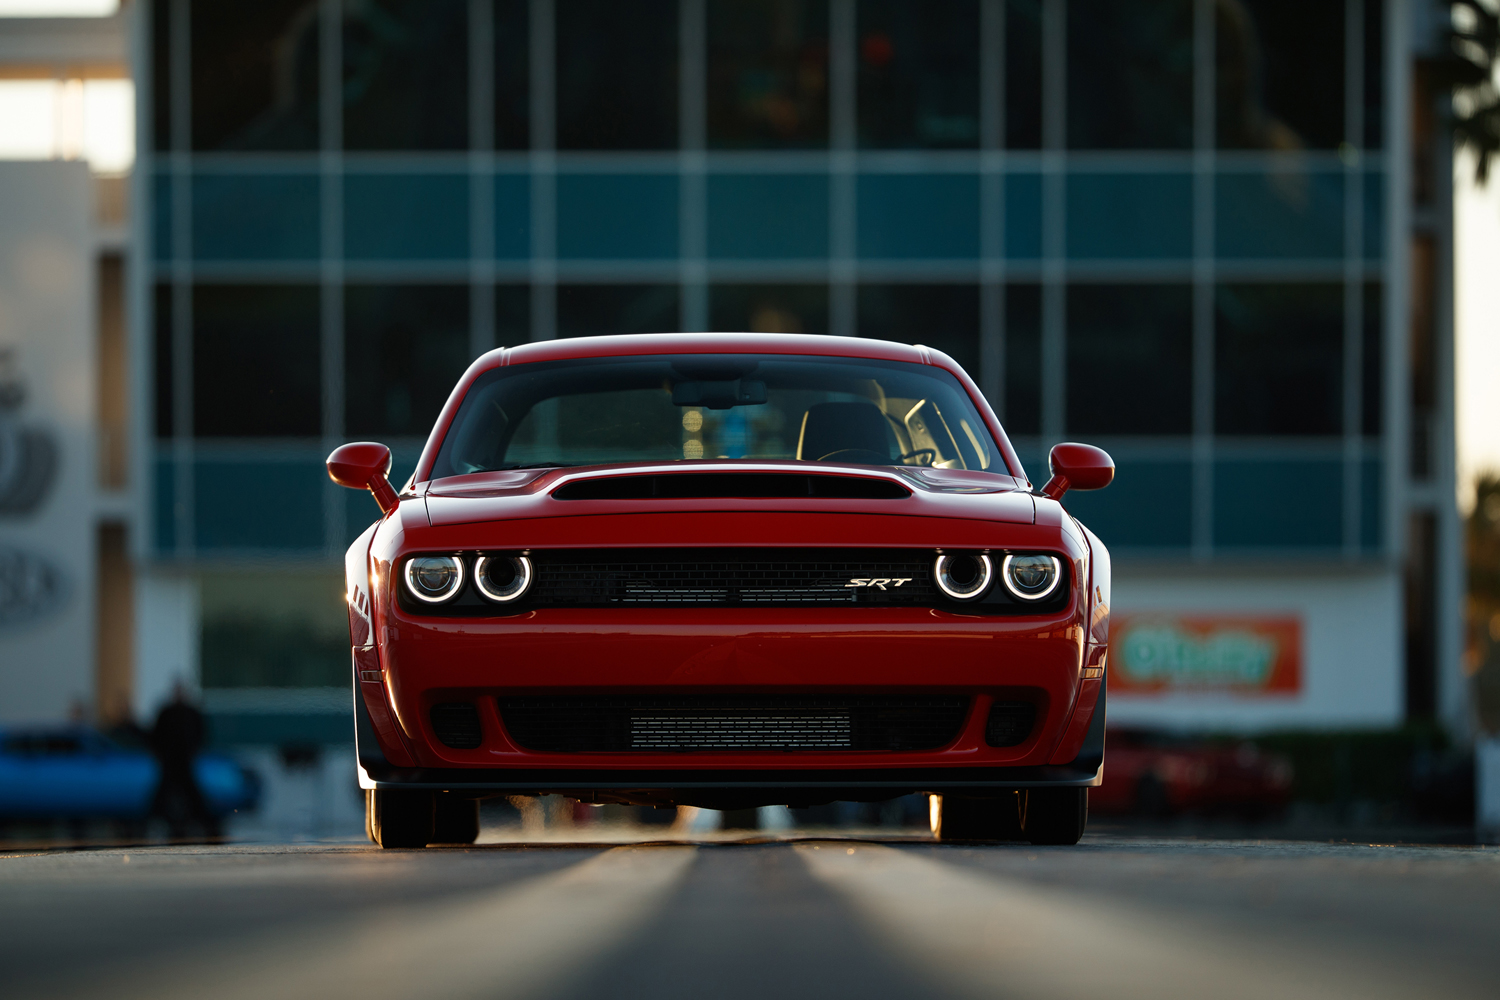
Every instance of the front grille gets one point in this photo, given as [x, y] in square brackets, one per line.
[733, 577]
[732, 723]
[1009, 723]
[456, 724]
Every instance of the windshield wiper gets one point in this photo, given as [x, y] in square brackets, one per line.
[534, 465]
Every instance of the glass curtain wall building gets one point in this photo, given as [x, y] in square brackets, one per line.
[1176, 228]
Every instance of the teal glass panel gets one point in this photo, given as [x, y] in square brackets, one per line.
[1371, 474]
[512, 216]
[918, 216]
[278, 729]
[1278, 504]
[1130, 216]
[768, 216]
[1148, 506]
[1374, 221]
[406, 216]
[256, 217]
[164, 506]
[161, 216]
[1023, 216]
[1279, 214]
[273, 506]
[624, 216]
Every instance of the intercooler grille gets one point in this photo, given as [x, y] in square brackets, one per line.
[729, 724]
[456, 724]
[1010, 723]
[734, 577]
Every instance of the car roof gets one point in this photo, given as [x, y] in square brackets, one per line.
[626, 345]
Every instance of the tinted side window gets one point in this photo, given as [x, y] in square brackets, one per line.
[616, 74]
[1278, 359]
[918, 74]
[256, 361]
[405, 347]
[255, 75]
[406, 74]
[1130, 74]
[767, 73]
[1130, 365]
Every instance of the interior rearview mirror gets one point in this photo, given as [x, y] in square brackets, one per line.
[719, 395]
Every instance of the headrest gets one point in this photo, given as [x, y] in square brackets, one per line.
[828, 428]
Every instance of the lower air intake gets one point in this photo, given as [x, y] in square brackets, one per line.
[1010, 723]
[731, 724]
[457, 726]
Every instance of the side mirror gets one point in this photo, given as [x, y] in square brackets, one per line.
[1078, 467]
[365, 465]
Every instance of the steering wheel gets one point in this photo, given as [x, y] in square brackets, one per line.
[856, 456]
[864, 456]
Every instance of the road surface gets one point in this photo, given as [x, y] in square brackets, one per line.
[794, 917]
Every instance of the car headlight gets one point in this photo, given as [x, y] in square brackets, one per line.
[502, 578]
[434, 579]
[1031, 577]
[963, 576]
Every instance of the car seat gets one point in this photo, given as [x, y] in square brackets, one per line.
[844, 432]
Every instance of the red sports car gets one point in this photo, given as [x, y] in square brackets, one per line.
[726, 570]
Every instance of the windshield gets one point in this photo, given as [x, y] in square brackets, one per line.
[663, 408]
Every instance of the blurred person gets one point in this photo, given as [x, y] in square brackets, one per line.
[176, 740]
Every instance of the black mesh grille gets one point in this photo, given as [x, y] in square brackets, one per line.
[457, 725]
[755, 485]
[732, 723]
[1010, 723]
[733, 577]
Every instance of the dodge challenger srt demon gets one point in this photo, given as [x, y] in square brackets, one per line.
[726, 570]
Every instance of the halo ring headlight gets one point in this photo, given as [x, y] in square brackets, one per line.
[1031, 576]
[503, 593]
[434, 579]
[963, 577]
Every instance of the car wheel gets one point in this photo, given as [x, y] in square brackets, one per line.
[370, 815]
[455, 820]
[402, 818]
[1054, 815]
[993, 818]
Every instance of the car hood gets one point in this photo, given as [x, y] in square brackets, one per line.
[921, 492]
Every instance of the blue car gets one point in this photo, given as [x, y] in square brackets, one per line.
[75, 772]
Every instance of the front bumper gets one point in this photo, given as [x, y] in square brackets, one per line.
[727, 789]
[422, 662]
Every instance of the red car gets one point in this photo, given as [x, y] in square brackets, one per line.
[1154, 775]
[726, 570]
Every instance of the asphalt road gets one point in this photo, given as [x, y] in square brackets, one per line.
[835, 918]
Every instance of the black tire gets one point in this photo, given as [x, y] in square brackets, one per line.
[454, 820]
[370, 816]
[402, 818]
[993, 818]
[1054, 815]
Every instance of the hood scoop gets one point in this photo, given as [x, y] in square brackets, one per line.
[725, 485]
